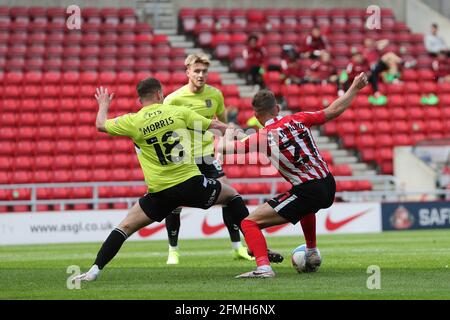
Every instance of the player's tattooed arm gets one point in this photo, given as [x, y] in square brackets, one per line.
[104, 100]
[342, 103]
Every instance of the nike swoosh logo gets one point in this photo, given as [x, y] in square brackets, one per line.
[334, 225]
[208, 229]
[276, 228]
[148, 231]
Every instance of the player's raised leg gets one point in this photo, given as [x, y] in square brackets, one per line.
[240, 212]
[173, 230]
[264, 216]
[313, 258]
[135, 220]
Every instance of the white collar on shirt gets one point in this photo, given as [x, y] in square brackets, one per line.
[269, 122]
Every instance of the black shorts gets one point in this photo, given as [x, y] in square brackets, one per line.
[306, 198]
[210, 167]
[197, 192]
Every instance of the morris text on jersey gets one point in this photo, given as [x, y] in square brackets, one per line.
[156, 125]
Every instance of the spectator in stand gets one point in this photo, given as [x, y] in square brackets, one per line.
[232, 113]
[356, 65]
[291, 68]
[373, 50]
[383, 65]
[315, 43]
[389, 67]
[441, 67]
[443, 180]
[435, 43]
[254, 56]
[378, 63]
[322, 70]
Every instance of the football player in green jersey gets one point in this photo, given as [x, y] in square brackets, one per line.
[208, 102]
[160, 133]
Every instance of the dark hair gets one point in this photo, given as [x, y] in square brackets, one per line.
[148, 87]
[252, 37]
[264, 101]
[435, 25]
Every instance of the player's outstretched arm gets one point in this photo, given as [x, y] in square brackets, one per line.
[230, 133]
[103, 100]
[342, 103]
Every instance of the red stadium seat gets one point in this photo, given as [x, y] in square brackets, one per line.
[366, 141]
[23, 163]
[342, 170]
[107, 77]
[435, 126]
[63, 162]
[82, 193]
[416, 113]
[426, 75]
[363, 185]
[46, 132]
[9, 133]
[5, 176]
[64, 146]
[9, 119]
[402, 140]
[399, 113]
[25, 147]
[20, 177]
[367, 154]
[21, 208]
[44, 162]
[385, 140]
[384, 127]
[42, 176]
[409, 75]
[345, 186]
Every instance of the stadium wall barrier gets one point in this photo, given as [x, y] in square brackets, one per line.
[413, 173]
[88, 226]
[416, 215]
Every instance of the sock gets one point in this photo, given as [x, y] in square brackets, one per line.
[238, 210]
[309, 250]
[173, 248]
[173, 227]
[264, 268]
[256, 242]
[308, 223]
[236, 245]
[233, 229]
[110, 247]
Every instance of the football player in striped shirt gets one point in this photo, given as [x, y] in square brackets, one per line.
[289, 144]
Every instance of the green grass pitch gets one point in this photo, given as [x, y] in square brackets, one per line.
[413, 265]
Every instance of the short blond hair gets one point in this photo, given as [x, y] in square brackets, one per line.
[197, 58]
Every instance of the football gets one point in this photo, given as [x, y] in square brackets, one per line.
[298, 258]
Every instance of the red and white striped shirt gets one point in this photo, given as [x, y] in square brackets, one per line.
[290, 146]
